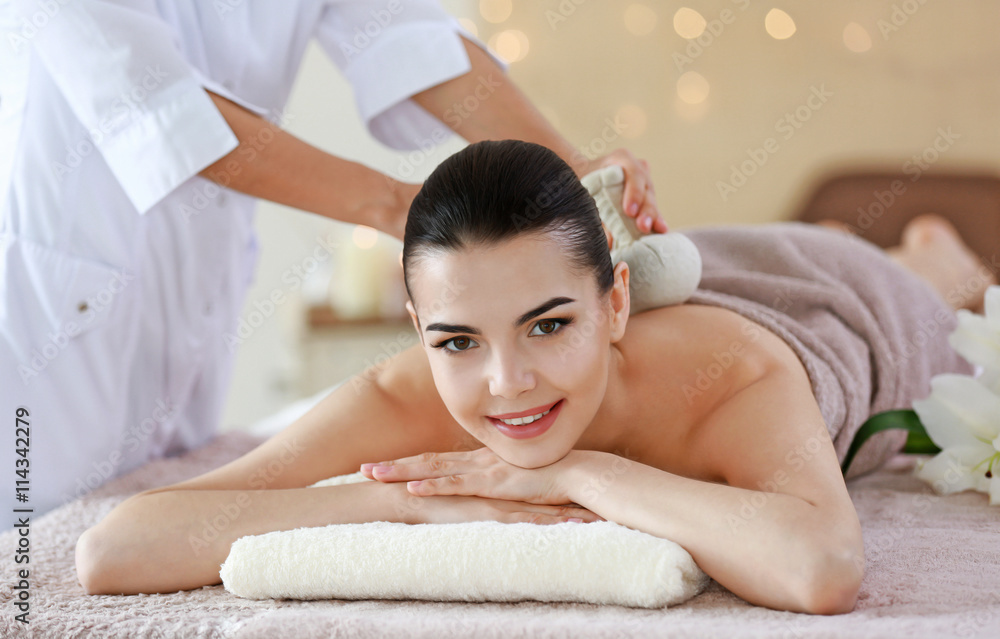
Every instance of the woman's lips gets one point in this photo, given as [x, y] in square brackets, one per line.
[524, 413]
[534, 429]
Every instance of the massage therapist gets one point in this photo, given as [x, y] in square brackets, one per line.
[135, 137]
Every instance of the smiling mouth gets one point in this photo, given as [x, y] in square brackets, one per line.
[524, 417]
[518, 421]
[530, 425]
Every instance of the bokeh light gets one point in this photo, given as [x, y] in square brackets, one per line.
[469, 26]
[510, 44]
[495, 11]
[639, 19]
[857, 38]
[688, 23]
[692, 87]
[779, 24]
[364, 236]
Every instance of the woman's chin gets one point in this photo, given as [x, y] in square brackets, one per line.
[530, 459]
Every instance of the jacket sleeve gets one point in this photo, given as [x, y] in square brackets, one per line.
[143, 104]
[391, 51]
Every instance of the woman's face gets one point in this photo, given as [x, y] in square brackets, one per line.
[512, 329]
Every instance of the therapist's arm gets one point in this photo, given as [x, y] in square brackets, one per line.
[502, 111]
[272, 164]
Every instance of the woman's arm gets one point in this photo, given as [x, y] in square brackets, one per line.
[177, 539]
[176, 536]
[783, 534]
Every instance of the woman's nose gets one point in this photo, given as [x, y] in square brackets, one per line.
[510, 375]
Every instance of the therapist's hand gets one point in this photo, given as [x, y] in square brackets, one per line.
[394, 220]
[639, 199]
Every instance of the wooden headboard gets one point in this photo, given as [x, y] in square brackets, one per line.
[877, 205]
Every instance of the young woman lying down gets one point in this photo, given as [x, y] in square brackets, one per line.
[534, 397]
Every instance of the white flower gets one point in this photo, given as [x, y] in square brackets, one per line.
[977, 337]
[962, 417]
[962, 414]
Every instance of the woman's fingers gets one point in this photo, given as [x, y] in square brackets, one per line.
[558, 516]
[418, 466]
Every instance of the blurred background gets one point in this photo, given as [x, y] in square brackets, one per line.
[744, 109]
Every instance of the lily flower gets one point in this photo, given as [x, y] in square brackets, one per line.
[962, 413]
[977, 338]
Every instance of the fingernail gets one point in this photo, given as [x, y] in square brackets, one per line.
[413, 484]
[575, 520]
[367, 467]
[380, 469]
[634, 208]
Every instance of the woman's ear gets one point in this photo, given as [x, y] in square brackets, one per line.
[416, 322]
[619, 300]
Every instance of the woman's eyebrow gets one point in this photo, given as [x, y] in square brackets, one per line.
[533, 313]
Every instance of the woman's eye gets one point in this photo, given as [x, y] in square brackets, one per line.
[459, 344]
[547, 326]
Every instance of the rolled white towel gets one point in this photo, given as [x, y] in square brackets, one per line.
[600, 562]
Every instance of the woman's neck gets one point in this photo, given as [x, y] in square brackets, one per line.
[612, 430]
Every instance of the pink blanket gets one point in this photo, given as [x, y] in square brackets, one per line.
[933, 570]
[870, 333]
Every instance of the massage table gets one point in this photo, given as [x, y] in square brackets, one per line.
[933, 570]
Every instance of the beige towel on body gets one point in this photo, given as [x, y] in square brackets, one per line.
[870, 333]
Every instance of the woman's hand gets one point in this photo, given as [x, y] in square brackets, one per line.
[639, 198]
[456, 509]
[478, 472]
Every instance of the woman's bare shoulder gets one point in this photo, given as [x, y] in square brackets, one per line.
[709, 351]
[383, 413]
[691, 361]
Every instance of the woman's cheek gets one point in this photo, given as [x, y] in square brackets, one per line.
[578, 357]
[457, 390]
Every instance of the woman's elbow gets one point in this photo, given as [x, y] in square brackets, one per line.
[92, 561]
[835, 582]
